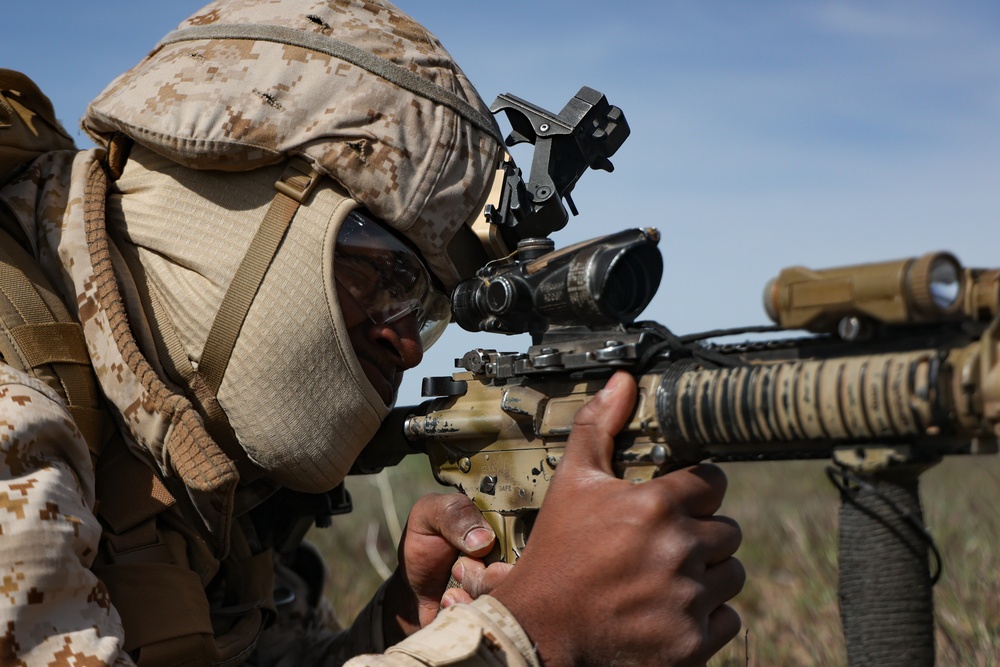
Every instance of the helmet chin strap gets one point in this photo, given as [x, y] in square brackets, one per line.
[202, 380]
[292, 189]
[295, 390]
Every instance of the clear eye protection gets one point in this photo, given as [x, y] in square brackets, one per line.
[387, 279]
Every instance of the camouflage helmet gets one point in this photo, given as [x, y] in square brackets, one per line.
[360, 90]
[239, 95]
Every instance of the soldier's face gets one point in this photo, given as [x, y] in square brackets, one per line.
[385, 349]
[387, 297]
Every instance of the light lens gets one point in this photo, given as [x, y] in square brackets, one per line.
[944, 283]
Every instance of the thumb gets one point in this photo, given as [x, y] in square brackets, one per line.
[592, 438]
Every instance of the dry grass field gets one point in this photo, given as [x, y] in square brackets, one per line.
[788, 512]
[789, 606]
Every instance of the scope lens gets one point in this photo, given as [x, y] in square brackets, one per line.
[945, 283]
[631, 283]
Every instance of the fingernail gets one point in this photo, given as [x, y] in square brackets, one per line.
[477, 538]
[458, 571]
[447, 600]
[611, 386]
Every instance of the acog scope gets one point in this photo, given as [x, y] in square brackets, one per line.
[596, 284]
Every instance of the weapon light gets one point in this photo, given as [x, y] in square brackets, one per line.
[923, 289]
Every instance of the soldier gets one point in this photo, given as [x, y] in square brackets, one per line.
[259, 252]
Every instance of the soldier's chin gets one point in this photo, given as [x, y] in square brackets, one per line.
[383, 386]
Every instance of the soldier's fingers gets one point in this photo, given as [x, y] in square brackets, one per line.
[718, 538]
[596, 424]
[723, 581]
[454, 596]
[723, 624]
[477, 578]
[698, 489]
[456, 519]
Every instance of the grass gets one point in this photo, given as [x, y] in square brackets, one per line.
[788, 512]
[352, 576]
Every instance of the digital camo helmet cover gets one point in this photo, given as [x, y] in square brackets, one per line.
[358, 88]
[367, 97]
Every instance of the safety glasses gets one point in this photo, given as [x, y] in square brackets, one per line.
[386, 278]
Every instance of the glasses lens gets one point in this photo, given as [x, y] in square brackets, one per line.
[387, 279]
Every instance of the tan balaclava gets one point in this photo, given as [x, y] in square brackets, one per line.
[243, 86]
[294, 392]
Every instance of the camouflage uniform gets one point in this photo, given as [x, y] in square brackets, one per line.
[56, 610]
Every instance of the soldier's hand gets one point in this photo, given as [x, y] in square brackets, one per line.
[622, 573]
[440, 528]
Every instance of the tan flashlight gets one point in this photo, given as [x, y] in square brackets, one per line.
[923, 289]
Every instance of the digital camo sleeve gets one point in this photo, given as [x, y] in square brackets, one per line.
[480, 634]
[53, 610]
[483, 633]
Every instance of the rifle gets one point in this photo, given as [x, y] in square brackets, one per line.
[897, 367]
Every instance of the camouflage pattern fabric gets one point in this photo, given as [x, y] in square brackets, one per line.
[238, 104]
[54, 610]
[28, 124]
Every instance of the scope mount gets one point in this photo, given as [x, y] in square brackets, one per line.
[583, 135]
[622, 351]
[588, 352]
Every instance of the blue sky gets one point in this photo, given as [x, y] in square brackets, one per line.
[763, 134]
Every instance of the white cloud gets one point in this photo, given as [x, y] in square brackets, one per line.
[882, 20]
